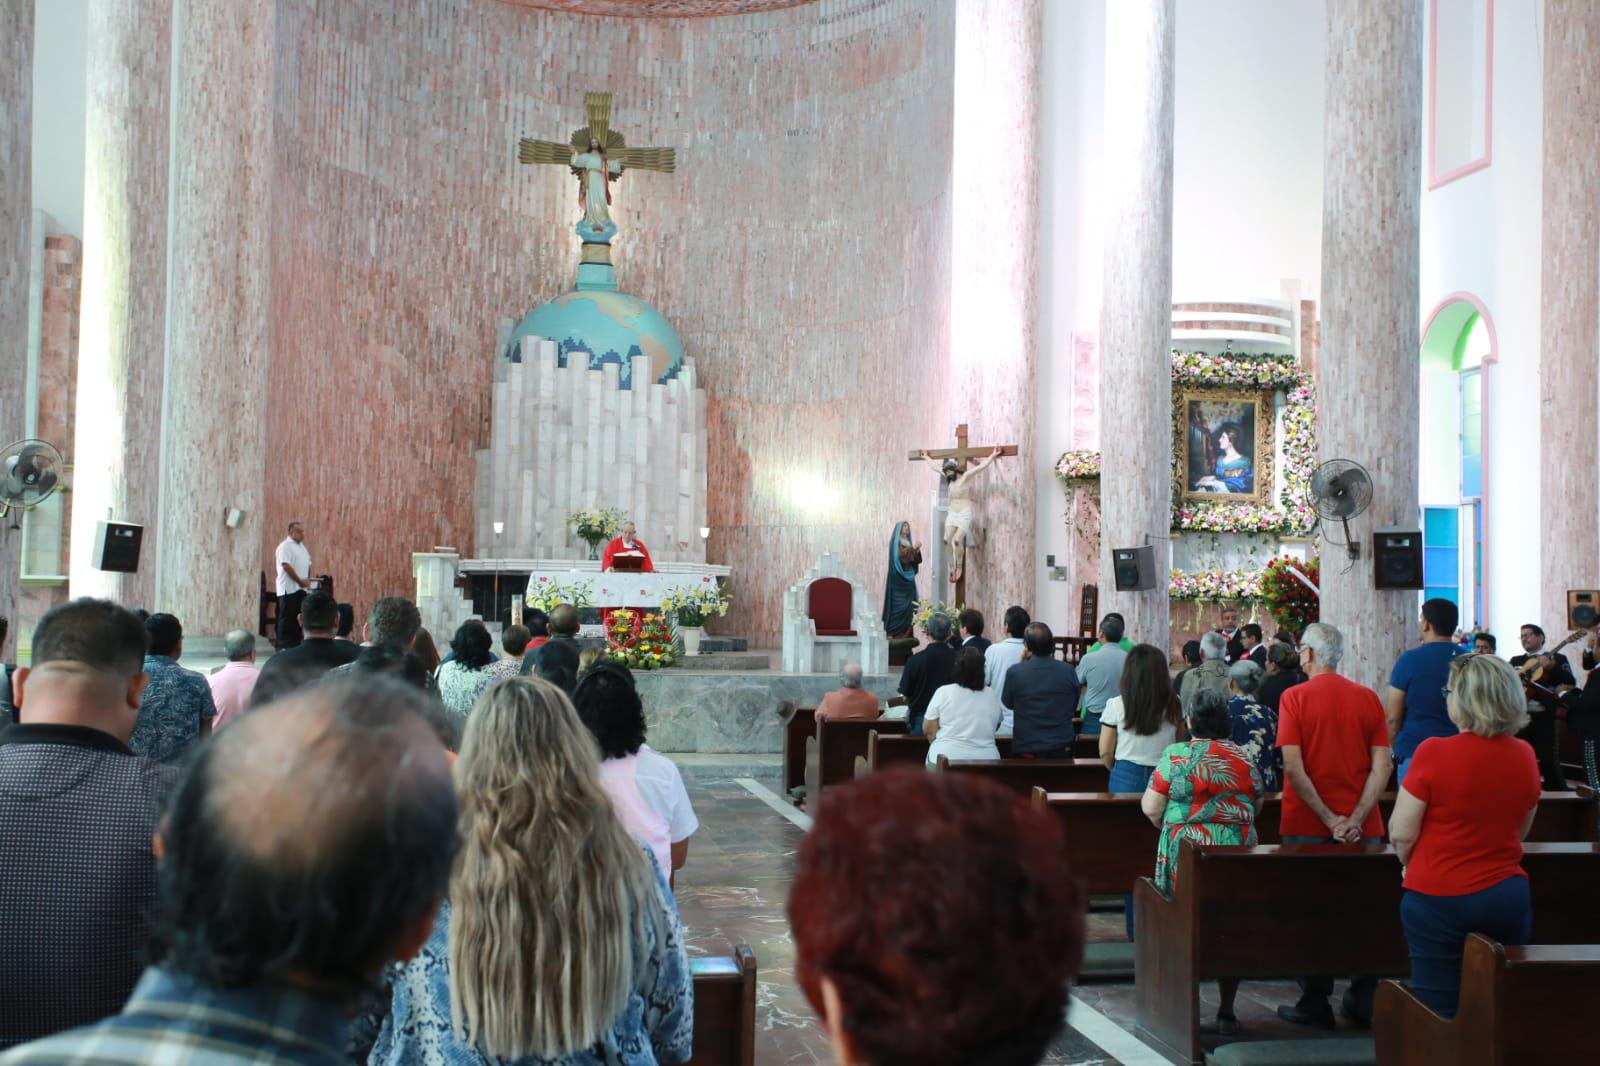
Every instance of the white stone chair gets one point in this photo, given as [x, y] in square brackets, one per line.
[821, 633]
[443, 606]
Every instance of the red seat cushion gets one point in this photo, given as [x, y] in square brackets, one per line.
[828, 605]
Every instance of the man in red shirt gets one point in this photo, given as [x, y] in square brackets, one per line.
[1336, 762]
[849, 700]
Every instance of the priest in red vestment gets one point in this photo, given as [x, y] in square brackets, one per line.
[627, 542]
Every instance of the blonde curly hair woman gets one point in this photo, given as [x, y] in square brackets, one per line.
[560, 941]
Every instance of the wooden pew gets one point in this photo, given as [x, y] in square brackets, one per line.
[1276, 912]
[887, 749]
[1112, 844]
[799, 724]
[724, 1009]
[1517, 1005]
[841, 742]
[1022, 776]
[1086, 747]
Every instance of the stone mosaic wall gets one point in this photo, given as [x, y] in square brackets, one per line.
[802, 250]
[123, 325]
[1370, 201]
[16, 132]
[1570, 316]
[214, 447]
[994, 261]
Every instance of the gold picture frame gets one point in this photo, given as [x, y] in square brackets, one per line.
[1209, 464]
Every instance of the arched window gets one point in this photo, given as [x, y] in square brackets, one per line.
[1457, 342]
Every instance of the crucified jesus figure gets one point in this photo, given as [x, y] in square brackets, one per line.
[959, 519]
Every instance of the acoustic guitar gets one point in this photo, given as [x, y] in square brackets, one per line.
[1536, 674]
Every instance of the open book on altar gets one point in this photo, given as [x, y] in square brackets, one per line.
[628, 561]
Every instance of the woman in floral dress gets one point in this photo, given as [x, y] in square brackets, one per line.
[1255, 725]
[1204, 789]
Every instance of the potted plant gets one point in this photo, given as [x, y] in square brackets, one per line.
[596, 526]
[690, 607]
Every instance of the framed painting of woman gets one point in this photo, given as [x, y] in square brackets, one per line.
[1224, 440]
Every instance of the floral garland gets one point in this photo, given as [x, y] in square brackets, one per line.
[1079, 465]
[1298, 445]
[1215, 586]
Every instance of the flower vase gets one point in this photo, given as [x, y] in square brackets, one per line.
[691, 638]
[594, 549]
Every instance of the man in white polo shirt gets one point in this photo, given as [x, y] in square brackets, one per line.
[294, 581]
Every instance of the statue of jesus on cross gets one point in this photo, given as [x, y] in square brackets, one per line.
[960, 523]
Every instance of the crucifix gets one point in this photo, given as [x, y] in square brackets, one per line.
[597, 155]
[957, 468]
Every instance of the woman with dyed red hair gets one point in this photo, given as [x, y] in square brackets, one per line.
[935, 922]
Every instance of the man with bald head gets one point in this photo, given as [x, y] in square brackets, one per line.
[306, 847]
[77, 871]
[849, 700]
[557, 659]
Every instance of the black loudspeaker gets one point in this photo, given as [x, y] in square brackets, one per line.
[1397, 559]
[1583, 608]
[116, 546]
[1134, 568]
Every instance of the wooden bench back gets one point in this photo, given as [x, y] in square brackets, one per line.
[1517, 1005]
[1264, 933]
[1022, 776]
[840, 742]
[1279, 911]
[799, 723]
[1112, 844]
[725, 1009]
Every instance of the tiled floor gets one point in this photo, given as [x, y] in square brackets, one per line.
[733, 890]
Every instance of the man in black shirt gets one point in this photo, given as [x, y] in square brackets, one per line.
[1042, 692]
[77, 870]
[927, 670]
[308, 661]
[1544, 731]
[556, 660]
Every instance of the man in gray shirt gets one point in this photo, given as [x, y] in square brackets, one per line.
[1100, 672]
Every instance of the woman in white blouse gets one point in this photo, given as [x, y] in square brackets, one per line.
[1139, 722]
[963, 715]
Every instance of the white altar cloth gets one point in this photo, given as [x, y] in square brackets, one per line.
[609, 589]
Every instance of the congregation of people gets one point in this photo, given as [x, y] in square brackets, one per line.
[361, 852]
[1245, 718]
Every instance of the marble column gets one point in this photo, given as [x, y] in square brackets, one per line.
[16, 209]
[1569, 498]
[1367, 375]
[123, 317]
[1136, 329]
[213, 442]
[993, 288]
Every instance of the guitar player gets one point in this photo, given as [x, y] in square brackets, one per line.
[1551, 673]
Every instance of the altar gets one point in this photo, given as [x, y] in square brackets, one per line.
[515, 577]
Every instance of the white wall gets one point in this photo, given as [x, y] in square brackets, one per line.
[1481, 235]
[1247, 153]
[60, 63]
[1071, 121]
[1247, 191]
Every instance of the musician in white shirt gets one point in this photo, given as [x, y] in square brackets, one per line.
[293, 582]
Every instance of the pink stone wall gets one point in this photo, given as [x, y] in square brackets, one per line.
[58, 340]
[994, 261]
[1570, 369]
[213, 424]
[802, 249]
[16, 131]
[123, 325]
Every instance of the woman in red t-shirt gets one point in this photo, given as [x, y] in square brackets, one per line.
[1458, 824]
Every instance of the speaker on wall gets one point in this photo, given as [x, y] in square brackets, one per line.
[1397, 558]
[1583, 608]
[1134, 568]
[116, 546]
